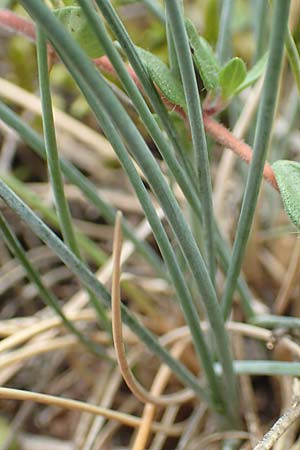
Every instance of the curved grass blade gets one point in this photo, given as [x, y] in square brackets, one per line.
[100, 292]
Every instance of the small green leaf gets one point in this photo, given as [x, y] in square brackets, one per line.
[204, 58]
[232, 76]
[254, 73]
[162, 77]
[74, 20]
[287, 175]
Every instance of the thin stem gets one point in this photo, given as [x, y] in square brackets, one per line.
[51, 147]
[136, 388]
[53, 164]
[260, 11]
[267, 368]
[75, 405]
[224, 137]
[272, 321]
[188, 76]
[261, 141]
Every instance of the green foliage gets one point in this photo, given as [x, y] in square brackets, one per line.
[287, 175]
[74, 20]
[204, 58]
[253, 74]
[232, 76]
[162, 77]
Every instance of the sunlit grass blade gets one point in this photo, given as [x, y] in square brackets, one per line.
[89, 280]
[260, 148]
[46, 295]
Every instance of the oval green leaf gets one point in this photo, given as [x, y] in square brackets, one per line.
[287, 175]
[232, 76]
[204, 58]
[162, 77]
[74, 20]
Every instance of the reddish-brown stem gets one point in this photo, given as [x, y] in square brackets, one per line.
[221, 134]
[18, 24]
[224, 137]
[104, 64]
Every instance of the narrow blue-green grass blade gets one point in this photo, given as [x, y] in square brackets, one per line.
[50, 145]
[156, 9]
[272, 321]
[53, 164]
[260, 147]
[98, 93]
[260, 25]
[225, 33]
[224, 253]
[89, 280]
[287, 174]
[267, 368]
[89, 190]
[46, 295]
[173, 61]
[192, 97]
